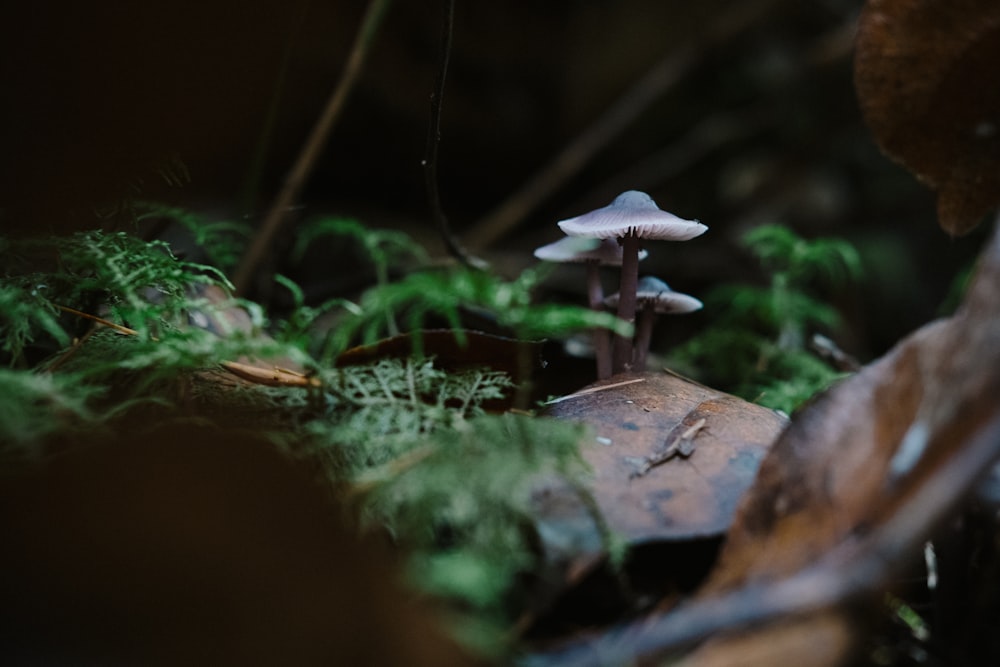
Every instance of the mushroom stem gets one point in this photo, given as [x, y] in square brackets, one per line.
[643, 335]
[626, 301]
[602, 339]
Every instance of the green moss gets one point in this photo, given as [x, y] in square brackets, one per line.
[412, 444]
[757, 344]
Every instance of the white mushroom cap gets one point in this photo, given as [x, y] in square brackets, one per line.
[636, 213]
[576, 249]
[655, 292]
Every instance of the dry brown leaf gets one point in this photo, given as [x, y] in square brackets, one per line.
[817, 640]
[864, 476]
[828, 468]
[861, 448]
[645, 486]
[925, 72]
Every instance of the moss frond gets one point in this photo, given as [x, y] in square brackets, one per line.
[222, 241]
[756, 345]
[412, 441]
[25, 315]
[35, 406]
[447, 293]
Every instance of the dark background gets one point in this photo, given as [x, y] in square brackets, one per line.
[170, 101]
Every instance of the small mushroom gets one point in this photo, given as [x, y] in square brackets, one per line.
[594, 253]
[653, 297]
[632, 216]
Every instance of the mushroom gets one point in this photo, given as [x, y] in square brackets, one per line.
[593, 253]
[632, 216]
[653, 297]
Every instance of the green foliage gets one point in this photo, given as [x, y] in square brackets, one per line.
[385, 249]
[141, 284]
[477, 484]
[957, 290]
[782, 252]
[410, 441]
[35, 406]
[25, 315]
[108, 374]
[136, 284]
[447, 480]
[756, 346]
[222, 242]
[296, 329]
[384, 408]
[447, 292]
[796, 264]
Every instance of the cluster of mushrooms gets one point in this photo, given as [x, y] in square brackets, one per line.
[611, 236]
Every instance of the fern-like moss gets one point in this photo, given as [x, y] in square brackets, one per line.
[446, 480]
[123, 331]
[222, 242]
[25, 316]
[756, 346]
[447, 293]
[37, 406]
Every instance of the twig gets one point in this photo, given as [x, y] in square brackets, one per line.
[829, 351]
[100, 320]
[433, 142]
[372, 479]
[593, 390]
[682, 445]
[303, 167]
[275, 376]
[77, 344]
[664, 75]
[70, 352]
[255, 171]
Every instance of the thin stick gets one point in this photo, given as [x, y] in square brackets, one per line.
[275, 376]
[70, 352]
[299, 174]
[594, 390]
[365, 484]
[100, 320]
[430, 160]
[255, 171]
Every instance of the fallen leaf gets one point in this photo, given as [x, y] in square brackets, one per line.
[863, 447]
[823, 639]
[925, 73]
[635, 421]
